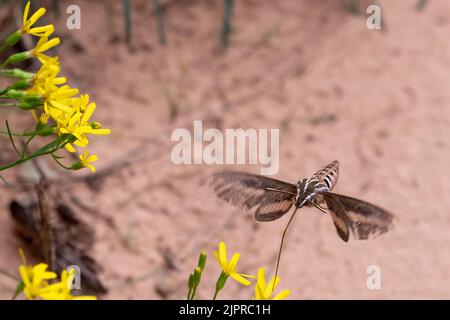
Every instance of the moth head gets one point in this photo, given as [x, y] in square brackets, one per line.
[305, 192]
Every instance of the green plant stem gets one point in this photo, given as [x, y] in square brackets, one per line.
[20, 287]
[127, 16]
[421, 4]
[47, 149]
[55, 158]
[220, 283]
[227, 25]
[11, 138]
[24, 150]
[14, 73]
[193, 293]
[23, 134]
[9, 104]
[4, 181]
[215, 294]
[160, 22]
[56, 8]
[22, 160]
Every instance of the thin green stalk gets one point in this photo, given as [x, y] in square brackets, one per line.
[193, 292]
[127, 17]
[27, 143]
[9, 104]
[421, 4]
[22, 160]
[160, 21]
[4, 181]
[19, 289]
[11, 139]
[55, 8]
[215, 294]
[23, 134]
[45, 150]
[220, 284]
[55, 158]
[351, 6]
[15, 73]
[227, 25]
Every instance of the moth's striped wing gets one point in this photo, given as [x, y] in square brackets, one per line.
[329, 174]
[338, 214]
[249, 192]
[365, 220]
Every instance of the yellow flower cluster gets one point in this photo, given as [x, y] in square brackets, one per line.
[229, 267]
[36, 285]
[262, 290]
[43, 31]
[70, 112]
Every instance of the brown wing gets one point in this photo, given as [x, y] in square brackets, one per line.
[274, 208]
[364, 219]
[249, 192]
[338, 214]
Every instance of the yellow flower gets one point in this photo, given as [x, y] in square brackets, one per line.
[43, 45]
[34, 278]
[264, 292]
[46, 77]
[61, 290]
[78, 125]
[57, 100]
[229, 268]
[81, 103]
[43, 31]
[85, 160]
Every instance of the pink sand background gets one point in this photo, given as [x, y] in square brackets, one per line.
[377, 101]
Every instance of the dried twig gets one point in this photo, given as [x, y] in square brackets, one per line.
[9, 275]
[46, 234]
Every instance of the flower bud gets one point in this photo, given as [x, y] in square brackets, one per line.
[20, 84]
[12, 39]
[191, 281]
[17, 57]
[202, 260]
[46, 131]
[221, 281]
[77, 166]
[197, 276]
[16, 73]
[15, 94]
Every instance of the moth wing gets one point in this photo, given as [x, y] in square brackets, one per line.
[364, 219]
[250, 192]
[273, 209]
[338, 214]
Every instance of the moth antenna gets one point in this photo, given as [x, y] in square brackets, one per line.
[282, 191]
[317, 206]
[281, 247]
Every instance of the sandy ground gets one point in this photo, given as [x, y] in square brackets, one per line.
[377, 101]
